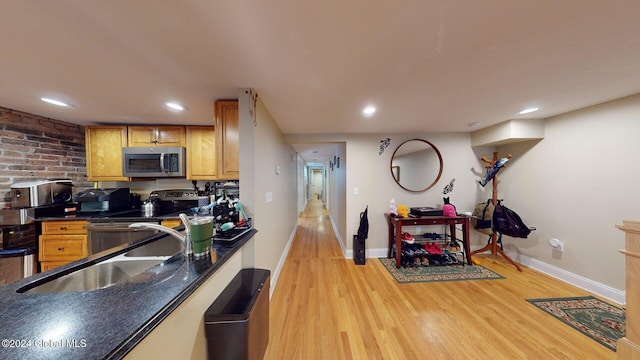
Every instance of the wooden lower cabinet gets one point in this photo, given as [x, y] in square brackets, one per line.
[62, 242]
[50, 265]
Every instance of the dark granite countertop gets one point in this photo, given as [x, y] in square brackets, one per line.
[124, 215]
[105, 323]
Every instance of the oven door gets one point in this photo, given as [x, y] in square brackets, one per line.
[102, 236]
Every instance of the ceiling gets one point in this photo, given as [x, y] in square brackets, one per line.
[427, 65]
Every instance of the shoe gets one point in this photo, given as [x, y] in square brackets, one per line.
[433, 236]
[436, 260]
[408, 238]
[433, 248]
[453, 246]
[409, 252]
[448, 257]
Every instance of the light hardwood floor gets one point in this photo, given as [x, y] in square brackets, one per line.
[326, 307]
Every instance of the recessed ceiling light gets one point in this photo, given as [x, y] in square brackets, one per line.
[54, 102]
[529, 110]
[368, 111]
[174, 106]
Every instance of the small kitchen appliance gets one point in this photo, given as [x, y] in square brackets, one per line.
[40, 193]
[103, 200]
[19, 239]
[173, 200]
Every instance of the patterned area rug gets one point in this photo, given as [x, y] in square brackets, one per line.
[597, 319]
[438, 273]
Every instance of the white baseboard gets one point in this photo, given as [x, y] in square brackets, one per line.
[345, 252]
[594, 287]
[283, 258]
[605, 291]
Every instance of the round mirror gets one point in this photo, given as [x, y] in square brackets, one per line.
[416, 165]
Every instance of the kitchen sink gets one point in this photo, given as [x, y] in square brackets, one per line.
[97, 276]
[112, 271]
[166, 246]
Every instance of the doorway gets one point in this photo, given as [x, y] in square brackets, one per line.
[316, 184]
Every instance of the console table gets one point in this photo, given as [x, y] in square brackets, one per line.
[395, 231]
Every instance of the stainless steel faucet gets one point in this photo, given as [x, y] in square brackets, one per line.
[186, 241]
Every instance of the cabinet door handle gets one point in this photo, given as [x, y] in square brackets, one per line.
[60, 249]
[63, 228]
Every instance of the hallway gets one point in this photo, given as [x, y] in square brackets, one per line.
[326, 307]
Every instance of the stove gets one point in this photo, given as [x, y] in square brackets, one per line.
[173, 200]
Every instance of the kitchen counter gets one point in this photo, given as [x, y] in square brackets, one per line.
[125, 215]
[105, 323]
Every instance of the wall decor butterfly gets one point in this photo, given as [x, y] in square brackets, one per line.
[384, 143]
[449, 187]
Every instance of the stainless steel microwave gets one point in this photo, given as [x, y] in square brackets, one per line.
[155, 162]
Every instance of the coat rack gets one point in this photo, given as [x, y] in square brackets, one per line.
[493, 242]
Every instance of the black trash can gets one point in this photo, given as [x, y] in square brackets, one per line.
[237, 322]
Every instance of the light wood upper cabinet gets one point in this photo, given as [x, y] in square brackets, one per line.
[104, 152]
[227, 139]
[142, 136]
[201, 153]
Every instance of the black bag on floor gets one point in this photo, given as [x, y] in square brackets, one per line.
[507, 222]
[363, 228]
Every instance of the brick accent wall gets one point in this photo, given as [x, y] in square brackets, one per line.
[33, 147]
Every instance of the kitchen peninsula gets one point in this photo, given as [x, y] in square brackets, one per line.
[124, 319]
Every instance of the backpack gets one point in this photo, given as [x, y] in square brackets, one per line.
[507, 222]
[482, 217]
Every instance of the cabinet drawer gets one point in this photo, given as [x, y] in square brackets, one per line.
[64, 227]
[49, 265]
[62, 247]
[434, 222]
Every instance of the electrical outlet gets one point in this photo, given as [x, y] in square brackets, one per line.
[556, 245]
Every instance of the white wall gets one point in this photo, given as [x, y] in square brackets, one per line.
[370, 173]
[336, 201]
[576, 185]
[364, 168]
[262, 151]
